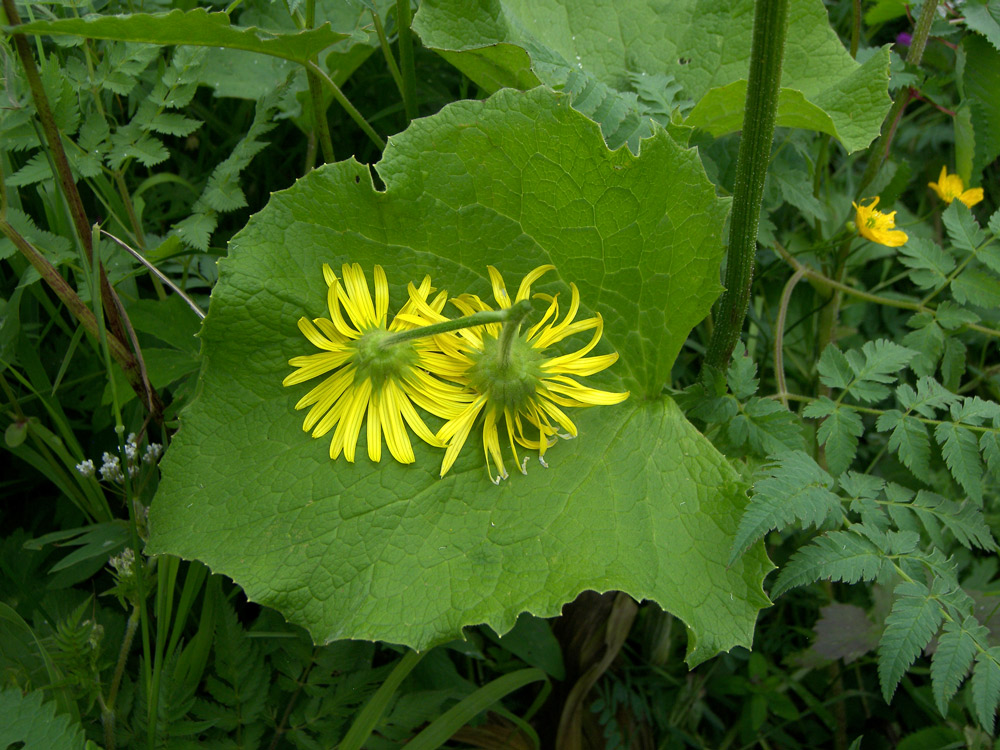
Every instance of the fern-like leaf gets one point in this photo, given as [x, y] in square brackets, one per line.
[876, 365]
[909, 440]
[963, 520]
[961, 453]
[793, 486]
[963, 231]
[951, 661]
[989, 444]
[986, 687]
[835, 556]
[839, 435]
[929, 263]
[913, 621]
[834, 369]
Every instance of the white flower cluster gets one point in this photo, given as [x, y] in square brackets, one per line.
[123, 563]
[111, 467]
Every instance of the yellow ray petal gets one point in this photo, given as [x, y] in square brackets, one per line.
[524, 291]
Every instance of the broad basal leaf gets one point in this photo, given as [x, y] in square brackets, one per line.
[597, 52]
[640, 502]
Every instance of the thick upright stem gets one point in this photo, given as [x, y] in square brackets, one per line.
[769, 25]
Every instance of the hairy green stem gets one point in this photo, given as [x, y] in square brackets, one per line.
[766, 53]
[879, 151]
[509, 315]
[405, 41]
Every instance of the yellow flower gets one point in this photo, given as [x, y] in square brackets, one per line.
[950, 186]
[366, 375]
[878, 227]
[514, 381]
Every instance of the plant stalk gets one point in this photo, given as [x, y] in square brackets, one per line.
[85, 316]
[64, 174]
[766, 53]
[405, 41]
[879, 151]
[509, 316]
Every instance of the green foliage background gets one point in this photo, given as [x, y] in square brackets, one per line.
[260, 594]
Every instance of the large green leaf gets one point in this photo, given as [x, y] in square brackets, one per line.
[606, 53]
[640, 502]
[196, 27]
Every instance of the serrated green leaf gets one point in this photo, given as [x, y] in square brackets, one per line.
[909, 440]
[951, 661]
[963, 230]
[951, 317]
[30, 724]
[122, 65]
[983, 16]
[986, 687]
[834, 369]
[931, 265]
[389, 551]
[953, 363]
[928, 341]
[989, 444]
[522, 42]
[973, 410]
[797, 189]
[878, 363]
[742, 373]
[839, 435]
[170, 123]
[35, 170]
[961, 453]
[858, 485]
[195, 27]
[793, 486]
[994, 223]
[772, 428]
[964, 520]
[821, 407]
[197, 228]
[981, 80]
[835, 556]
[976, 287]
[913, 621]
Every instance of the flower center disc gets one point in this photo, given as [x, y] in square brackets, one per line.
[379, 362]
[509, 384]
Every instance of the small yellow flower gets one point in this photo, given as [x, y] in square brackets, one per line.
[367, 376]
[878, 227]
[950, 186]
[524, 389]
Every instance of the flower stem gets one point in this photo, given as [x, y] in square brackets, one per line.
[510, 316]
[509, 331]
[879, 151]
[766, 52]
